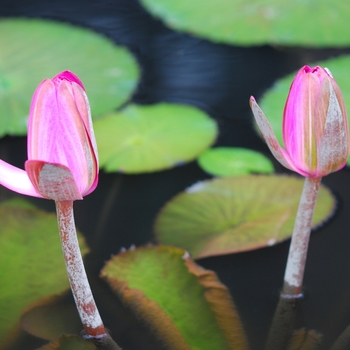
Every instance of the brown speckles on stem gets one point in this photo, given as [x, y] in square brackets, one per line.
[83, 297]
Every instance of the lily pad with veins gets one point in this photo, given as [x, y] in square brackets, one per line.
[33, 50]
[185, 305]
[233, 161]
[31, 261]
[149, 138]
[230, 215]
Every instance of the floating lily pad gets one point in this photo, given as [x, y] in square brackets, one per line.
[69, 342]
[274, 100]
[50, 317]
[149, 138]
[185, 305]
[33, 50]
[230, 215]
[258, 22]
[229, 161]
[31, 261]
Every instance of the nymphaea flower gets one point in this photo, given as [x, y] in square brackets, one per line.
[62, 154]
[315, 125]
[62, 165]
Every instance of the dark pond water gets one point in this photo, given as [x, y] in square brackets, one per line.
[219, 79]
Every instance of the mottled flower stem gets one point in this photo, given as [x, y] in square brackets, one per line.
[282, 324]
[79, 283]
[294, 273]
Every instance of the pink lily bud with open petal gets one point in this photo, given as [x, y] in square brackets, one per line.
[62, 153]
[315, 125]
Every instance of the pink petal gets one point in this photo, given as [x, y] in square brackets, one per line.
[69, 76]
[57, 133]
[83, 106]
[266, 130]
[333, 148]
[42, 121]
[79, 150]
[16, 180]
[300, 127]
[53, 181]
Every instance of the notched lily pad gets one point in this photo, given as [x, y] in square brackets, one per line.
[274, 99]
[256, 22]
[150, 138]
[229, 161]
[69, 342]
[33, 50]
[230, 215]
[31, 261]
[184, 304]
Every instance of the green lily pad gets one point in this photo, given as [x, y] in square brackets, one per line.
[230, 215]
[185, 305]
[50, 317]
[31, 261]
[69, 342]
[256, 22]
[33, 50]
[150, 138]
[229, 161]
[274, 100]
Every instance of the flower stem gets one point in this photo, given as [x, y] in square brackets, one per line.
[81, 290]
[282, 324]
[294, 273]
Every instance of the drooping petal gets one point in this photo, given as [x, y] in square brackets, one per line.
[17, 180]
[315, 125]
[52, 181]
[266, 130]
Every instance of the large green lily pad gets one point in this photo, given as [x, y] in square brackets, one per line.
[230, 161]
[33, 50]
[230, 215]
[255, 22]
[185, 305]
[31, 261]
[274, 100]
[149, 138]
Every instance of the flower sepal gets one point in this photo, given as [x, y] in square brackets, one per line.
[52, 181]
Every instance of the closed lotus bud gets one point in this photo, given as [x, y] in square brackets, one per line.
[315, 125]
[62, 153]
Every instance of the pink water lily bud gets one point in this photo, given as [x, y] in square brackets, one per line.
[62, 153]
[315, 125]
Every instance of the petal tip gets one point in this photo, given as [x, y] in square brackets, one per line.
[69, 76]
[251, 101]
